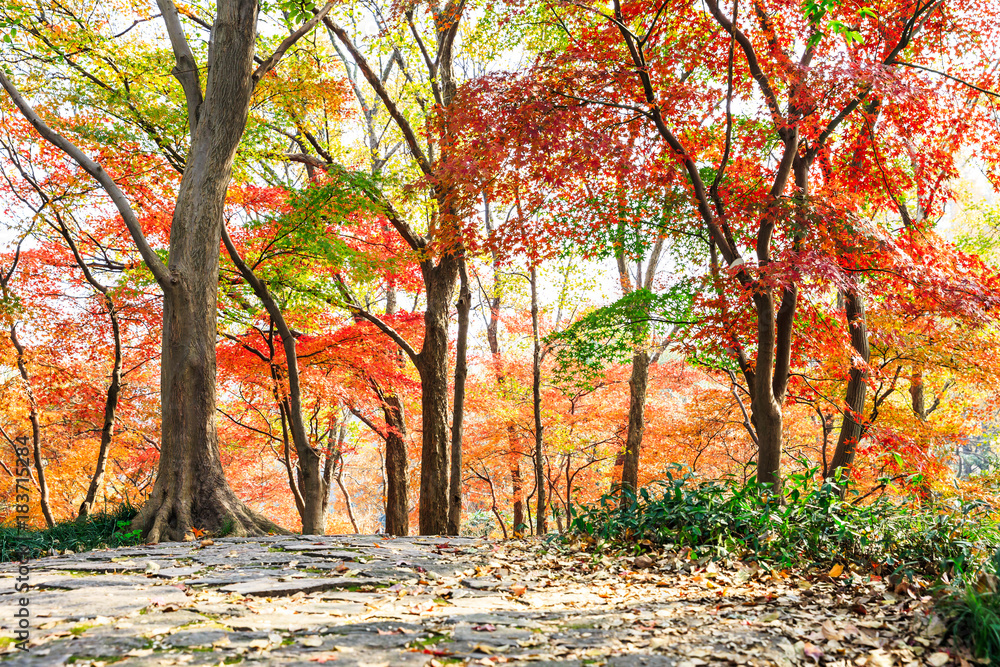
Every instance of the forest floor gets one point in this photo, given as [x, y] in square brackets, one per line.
[357, 600]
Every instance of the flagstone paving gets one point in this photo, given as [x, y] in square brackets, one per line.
[372, 601]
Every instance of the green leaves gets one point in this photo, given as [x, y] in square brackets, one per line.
[809, 523]
[816, 11]
[612, 334]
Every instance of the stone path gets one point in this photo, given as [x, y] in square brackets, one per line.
[372, 601]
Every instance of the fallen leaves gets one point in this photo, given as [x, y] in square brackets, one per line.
[938, 659]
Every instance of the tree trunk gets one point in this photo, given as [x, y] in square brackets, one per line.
[917, 400]
[766, 409]
[851, 428]
[311, 484]
[110, 406]
[432, 365]
[286, 451]
[458, 406]
[36, 429]
[517, 486]
[397, 509]
[636, 419]
[347, 497]
[190, 489]
[536, 394]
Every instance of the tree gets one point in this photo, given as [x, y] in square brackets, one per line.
[190, 489]
[663, 64]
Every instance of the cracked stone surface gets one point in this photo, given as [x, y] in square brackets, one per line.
[369, 601]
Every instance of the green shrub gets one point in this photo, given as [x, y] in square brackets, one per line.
[974, 615]
[110, 529]
[808, 522]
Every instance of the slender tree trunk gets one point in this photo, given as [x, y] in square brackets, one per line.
[110, 406]
[397, 509]
[334, 444]
[857, 386]
[433, 368]
[493, 338]
[397, 503]
[339, 477]
[636, 420]
[517, 485]
[36, 429]
[458, 407]
[766, 408]
[310, 478]
[536, 394]
[285, 441]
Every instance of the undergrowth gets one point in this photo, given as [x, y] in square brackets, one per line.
[105, 529]
[809, 522]
[949, 542]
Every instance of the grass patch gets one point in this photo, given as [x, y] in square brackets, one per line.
[111, 529]
[78, 630]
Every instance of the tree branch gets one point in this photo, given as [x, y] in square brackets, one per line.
[186, 69]
[160, 272]
[379, 88]
[287, 43]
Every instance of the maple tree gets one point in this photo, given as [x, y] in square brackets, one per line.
[729, 236]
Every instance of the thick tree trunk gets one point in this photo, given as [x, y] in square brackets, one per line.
[397, 509]
[857, 386]
[458, 405]
[36, 429]
[536, 394]
[110, 406]
[636, 419]
[190, 489]
[432, 365]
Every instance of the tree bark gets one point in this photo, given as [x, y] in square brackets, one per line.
[190, 489]
[458, 405]
[636, 420]
[36, 429]
[857, 386]
[397, 509]
[432, 364]
[766, 409]
[918, 403]
[536, 395]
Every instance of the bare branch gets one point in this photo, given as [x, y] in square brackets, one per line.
[380, 90]
[186, 69]
[947, 76]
